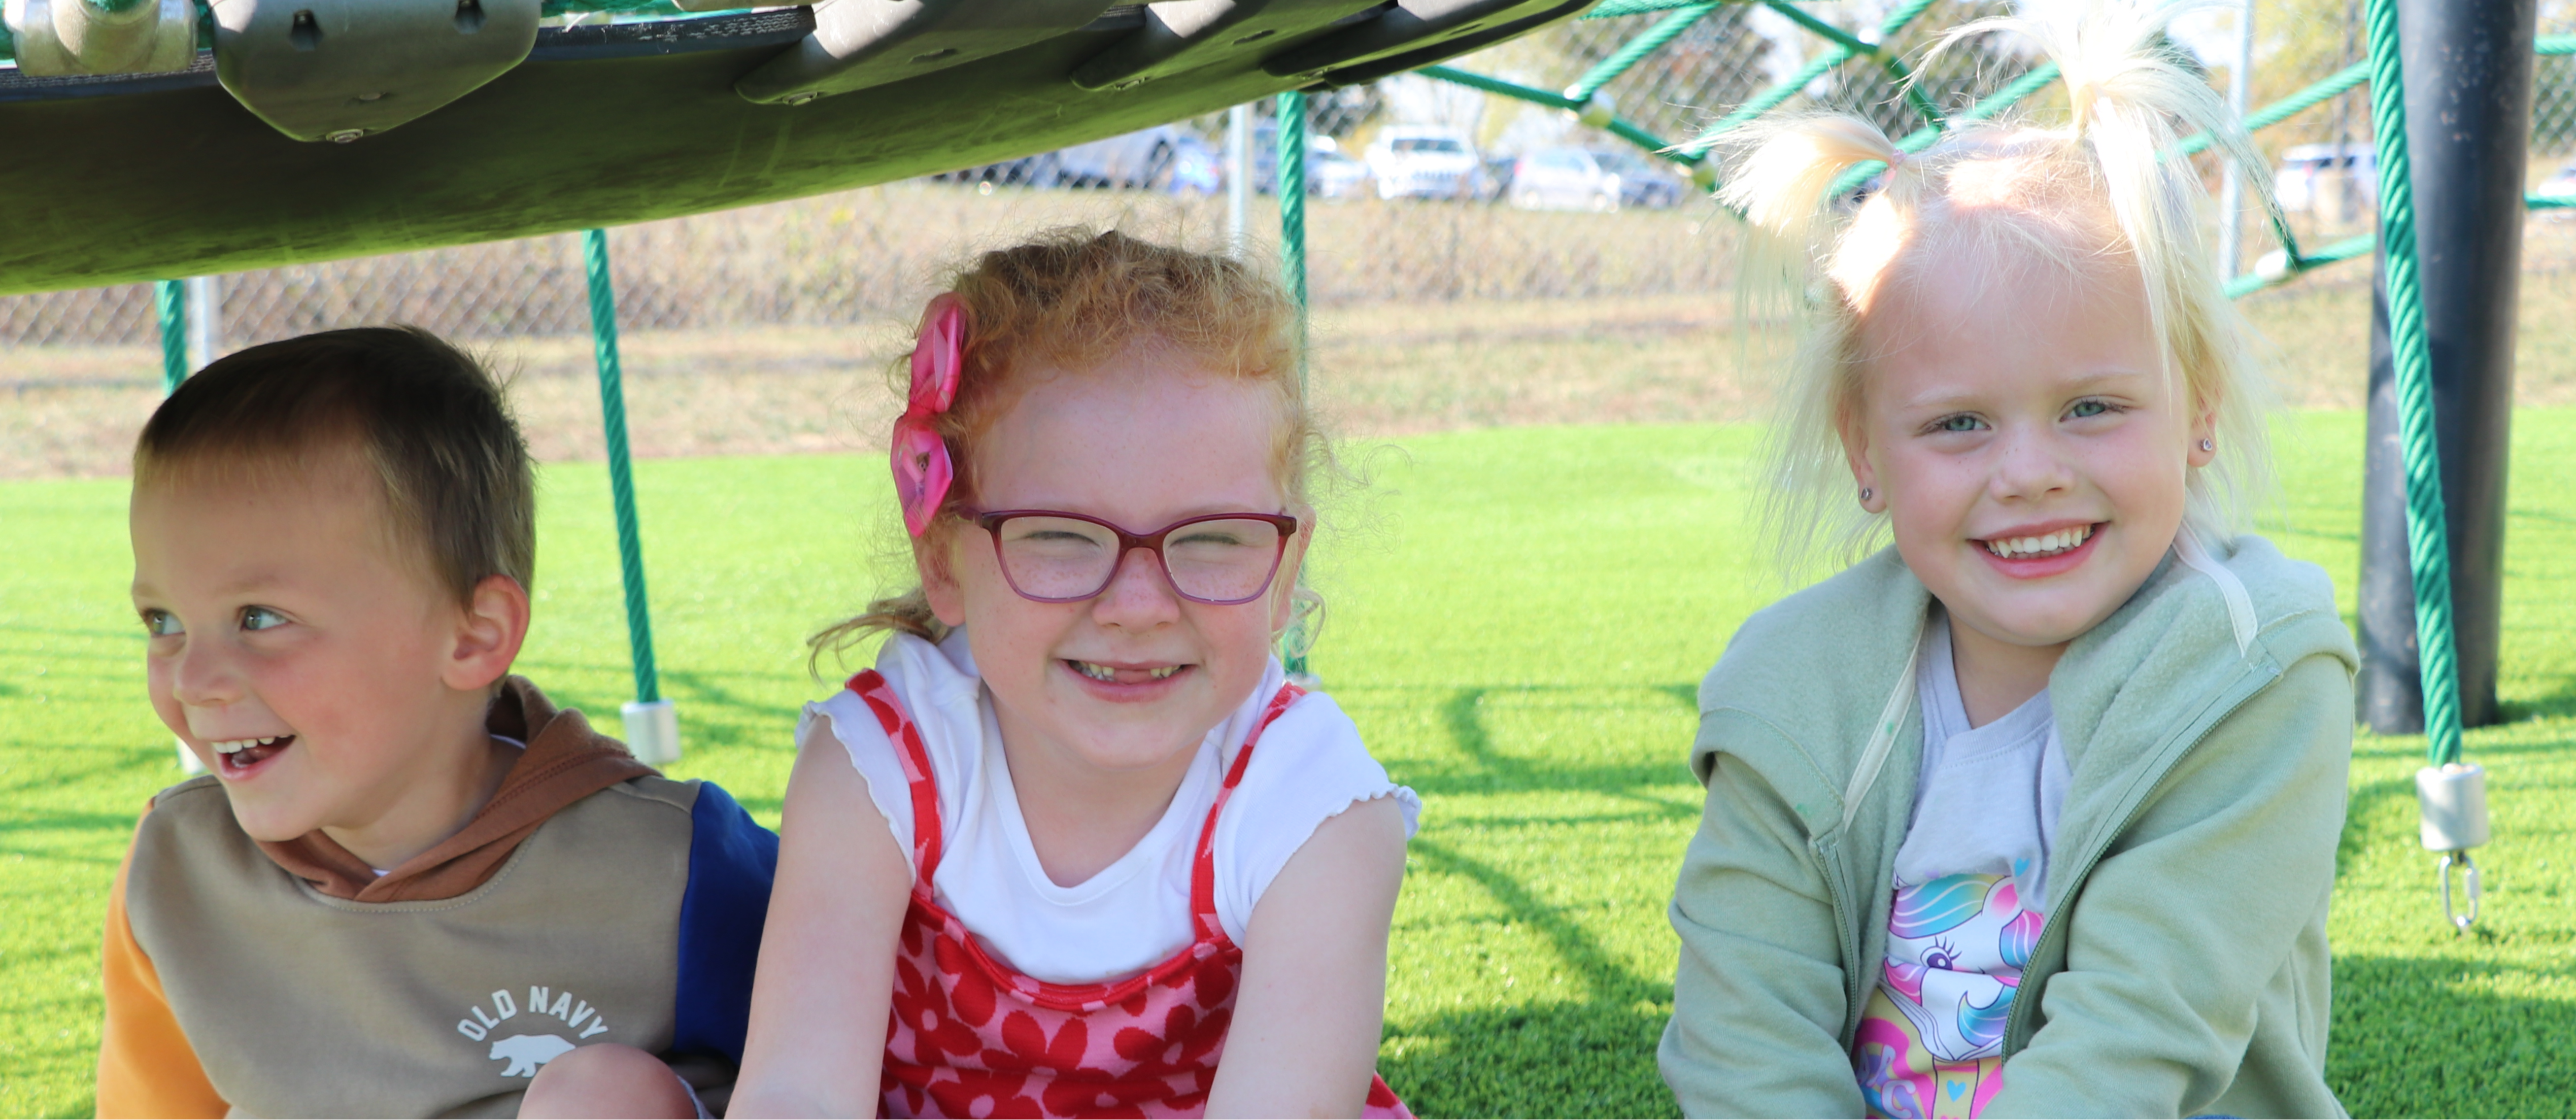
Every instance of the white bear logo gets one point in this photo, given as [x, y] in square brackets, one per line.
[525, 1052]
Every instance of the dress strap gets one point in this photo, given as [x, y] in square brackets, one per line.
[1203, 867]
[871, 687]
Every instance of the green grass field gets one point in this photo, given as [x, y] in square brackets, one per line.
[1519, 619]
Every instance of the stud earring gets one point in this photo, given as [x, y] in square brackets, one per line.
[2207, 446]
[1865, 493]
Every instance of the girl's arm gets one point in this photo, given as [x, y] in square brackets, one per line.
[1306, 1022]
[1760, 998]
[818, 1004]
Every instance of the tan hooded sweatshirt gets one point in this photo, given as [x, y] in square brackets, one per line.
[253, 978]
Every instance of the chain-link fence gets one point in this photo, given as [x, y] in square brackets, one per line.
[1473, 258]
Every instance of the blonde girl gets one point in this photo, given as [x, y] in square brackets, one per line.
[1075, 845]
[2033, 812]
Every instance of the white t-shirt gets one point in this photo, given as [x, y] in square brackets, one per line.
[1988, 798]
[1971, 892]
[1308, 767]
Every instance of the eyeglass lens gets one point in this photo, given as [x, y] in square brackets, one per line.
[1063, 558]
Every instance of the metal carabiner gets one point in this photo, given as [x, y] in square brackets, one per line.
[2469, 878]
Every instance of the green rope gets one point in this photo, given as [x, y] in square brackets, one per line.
[1620, 127]
[1613, 9]
[621, 480]
[1921, 138]
[1498, 85]
[1292, 270]
[1841, 52]
[2427, 528]
[1292, 212]
[1637, 49]
[170, 299]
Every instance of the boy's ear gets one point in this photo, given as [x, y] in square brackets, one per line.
[489, 632]
[934, 560]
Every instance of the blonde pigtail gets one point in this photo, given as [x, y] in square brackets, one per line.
[2135, 101]
[1780, 175]
[1781, 171]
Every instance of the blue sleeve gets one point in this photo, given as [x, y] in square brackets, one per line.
[731, 862]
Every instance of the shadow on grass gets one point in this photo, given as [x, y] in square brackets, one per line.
[1490, 769]
[2412, 1037]
[2559, 703]
[1590, 1057]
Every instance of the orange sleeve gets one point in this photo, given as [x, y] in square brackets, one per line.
[145, 1065]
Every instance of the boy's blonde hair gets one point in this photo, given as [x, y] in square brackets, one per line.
[2109, 190]
[1074, 298]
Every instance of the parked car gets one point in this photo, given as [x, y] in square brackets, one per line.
[1643, 180]
[1419, 161]
[1563, 179]
[1143, 158]
[1197, 168]
[1330, 172]
[2560, 184]
[2333, 181]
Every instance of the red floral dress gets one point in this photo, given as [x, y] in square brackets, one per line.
[968, 1036]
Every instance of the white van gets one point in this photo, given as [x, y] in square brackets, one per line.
[1421, 161]
[2307, 181]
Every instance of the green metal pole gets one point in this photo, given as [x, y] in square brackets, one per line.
[1292, 267]
[621, 481]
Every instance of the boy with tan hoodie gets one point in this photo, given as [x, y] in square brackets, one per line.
[410, 882]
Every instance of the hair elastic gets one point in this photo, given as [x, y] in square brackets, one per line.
[922, 469]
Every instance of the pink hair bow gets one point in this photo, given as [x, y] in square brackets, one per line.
[922, 470]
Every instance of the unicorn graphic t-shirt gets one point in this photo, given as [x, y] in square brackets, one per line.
[1971, 895]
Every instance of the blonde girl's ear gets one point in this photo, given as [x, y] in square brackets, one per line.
[2204, 428]
[934, 557]
[1854, 430]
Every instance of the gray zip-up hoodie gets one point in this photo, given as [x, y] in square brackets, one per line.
[2183, 968]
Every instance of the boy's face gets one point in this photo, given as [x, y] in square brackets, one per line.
[306, 658]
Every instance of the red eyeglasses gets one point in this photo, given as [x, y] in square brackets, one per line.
[1222, 559]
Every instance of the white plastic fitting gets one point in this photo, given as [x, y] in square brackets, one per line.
[2454, 801]
[1597, 111]
[653, 731]
[65, 38]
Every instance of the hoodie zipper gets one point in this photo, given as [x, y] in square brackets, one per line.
[2017, 1029]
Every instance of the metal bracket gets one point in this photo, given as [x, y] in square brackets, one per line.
[1181, 35]
[1407, 25]
[341, 69]
[66, 38]
[2469, 879]
[861, 43]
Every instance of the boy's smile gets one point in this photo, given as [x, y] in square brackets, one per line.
[321, 674]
